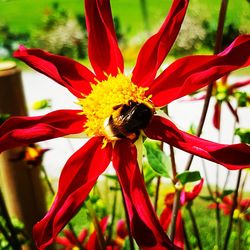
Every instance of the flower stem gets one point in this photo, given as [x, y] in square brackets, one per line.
[172, 157]
[173, 163]
[187, 243]
[176, 207]
[110, 233]
[239, 234]
[13, 239]
[195, 226]
[46, 177]
[131, 241]
[234, 205]
[157, 193]
[207, 180]
[100, 237]
[218, 222]
[144, 10]
[158, 185]
[52, 191]
[217, 48]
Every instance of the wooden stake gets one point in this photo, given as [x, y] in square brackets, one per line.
[21, 185]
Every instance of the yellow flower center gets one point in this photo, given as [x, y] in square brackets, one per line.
[105, 96]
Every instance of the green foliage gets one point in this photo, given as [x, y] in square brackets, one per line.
[51, 23]
[60, 33]
[243, 98]
[188, 176]
[206, 222]
[9, 40]
[157, 159]
[244, 134]
[3, 118]
[42, 104]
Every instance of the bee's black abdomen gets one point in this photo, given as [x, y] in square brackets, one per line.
[130, 119]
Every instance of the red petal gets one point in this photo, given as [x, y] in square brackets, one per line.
[179, 234]
[93, 240]
[121, 229]
[216, 115]
[23, 130]
[244, 204]
[71, 237]
[145, 226]
[191, 73]
[189, 196]
[165, 220]
[63, 241]
[82, 236]
[77, 179]
[165, 217]
[157, 47]
[67, 72]
[104, 53]
[235, 156]
[238, 85]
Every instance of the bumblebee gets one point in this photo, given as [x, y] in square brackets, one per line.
[127, 120]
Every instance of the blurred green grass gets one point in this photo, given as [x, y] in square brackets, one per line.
[25, 15]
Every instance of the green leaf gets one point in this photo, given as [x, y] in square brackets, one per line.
[192, 129]
[206, 198]
[242, 98]
[188, 176]
[157, 159]
[42, 104]
[244, 134]
[226, 192]
[3, 118]
[149, 173]
[110, 176]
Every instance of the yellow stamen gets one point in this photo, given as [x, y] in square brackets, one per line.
[98, 105]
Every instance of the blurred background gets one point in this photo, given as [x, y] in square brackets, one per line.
[59, 27]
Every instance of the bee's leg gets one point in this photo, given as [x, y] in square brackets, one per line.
[134, 136]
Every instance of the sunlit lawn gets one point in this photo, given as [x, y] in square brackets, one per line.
[25, 15]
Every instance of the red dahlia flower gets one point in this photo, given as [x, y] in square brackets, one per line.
[115, 110]
[223, 92]
[240, 212]
[69, 241]
[166, 215]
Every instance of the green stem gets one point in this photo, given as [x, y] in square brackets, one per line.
[5, 234]
[144, 10]
[217, 48]
[46, 177]
[110, 233]
[131, 241]
[176, 207]
[187, 243]
[52, 191]
[195, 226]
[239, 233]
[207, 180]
[243, 185]
[218, 223]
[99, 233]
[13, 235]
[172, 156]
[234, 205]
[157, 193]
[157, 190]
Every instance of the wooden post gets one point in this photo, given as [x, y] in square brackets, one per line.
[21, 185]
